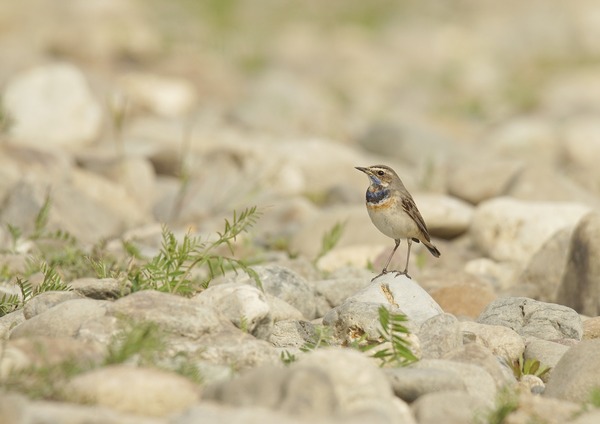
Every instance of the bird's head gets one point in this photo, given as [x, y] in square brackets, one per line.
[380, 175]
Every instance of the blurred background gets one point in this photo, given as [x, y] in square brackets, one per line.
[137, 112]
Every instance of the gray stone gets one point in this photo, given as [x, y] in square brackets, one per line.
[233, 348]
[547, 352]
[174, 314]
[476, 181]
[244, 305]
[52, 105]
[580, 286]
[46, 300]
[508, 229]
[286, 285]
[501, 340]
[101, 288]
[64, 319]
[475, 354]
[325, 383]
[546, 321]
[449, 407]
[544, 272]
[142, 391]
[577, 373]
[292, 333]
[10, 321]
[336, 291]
[410, 383]
[210, 413]
[477, 381]
[281, 310]
[439, 335]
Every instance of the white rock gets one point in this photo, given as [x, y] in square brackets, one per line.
[52, 105]
[244, 305]
[358, 256]
[446, 216]
[165, 96]
[513, 230]
[408, 295]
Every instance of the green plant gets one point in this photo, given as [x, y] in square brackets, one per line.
[142, 341]
[330, 239]
[393, 332]
[171, 269]
[51, 282]
[321, 338]
[287, 358]
[531, 366]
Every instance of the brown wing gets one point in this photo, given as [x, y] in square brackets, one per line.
[408, 204]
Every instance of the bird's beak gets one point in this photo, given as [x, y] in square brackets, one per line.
[362, 169]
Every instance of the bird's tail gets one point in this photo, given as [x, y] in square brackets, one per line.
[434, 250]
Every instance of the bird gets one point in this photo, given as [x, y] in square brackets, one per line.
[394, 212]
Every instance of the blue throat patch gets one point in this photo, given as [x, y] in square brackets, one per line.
[378, 195]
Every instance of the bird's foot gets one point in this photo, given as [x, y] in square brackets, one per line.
[383, 272]
[405, 272]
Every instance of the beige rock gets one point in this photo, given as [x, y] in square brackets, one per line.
[476, 181]
[52, 105]
[466, 298]
[166, 96]
[445, 216]
[143, 391]
[502, 341]
[591, 328]
[513, 230]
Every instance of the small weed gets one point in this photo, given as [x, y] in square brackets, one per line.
[531, 366]
[142, 342]
[595, 397]
[394, 332]
[44, 381]
[321, 338]
[50, 282]
[330, 239]
[287, 358]
[171, 270]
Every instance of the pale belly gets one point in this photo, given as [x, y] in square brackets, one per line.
[396, 225]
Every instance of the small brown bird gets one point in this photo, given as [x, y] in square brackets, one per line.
[394, 212]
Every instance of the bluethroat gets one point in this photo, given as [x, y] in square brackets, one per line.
[394, 212]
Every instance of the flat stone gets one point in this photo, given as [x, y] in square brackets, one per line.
[142, 391]
[577, 373]
[409, 383]
[546, 321]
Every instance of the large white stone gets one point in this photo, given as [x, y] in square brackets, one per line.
[52, 105]
[406, 293]
[513, 230]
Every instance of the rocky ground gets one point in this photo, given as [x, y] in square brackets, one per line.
[131, 130]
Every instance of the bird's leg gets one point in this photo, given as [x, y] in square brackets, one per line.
[384, 271]
[405, 272]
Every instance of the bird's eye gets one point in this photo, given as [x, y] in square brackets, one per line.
[380, 173]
